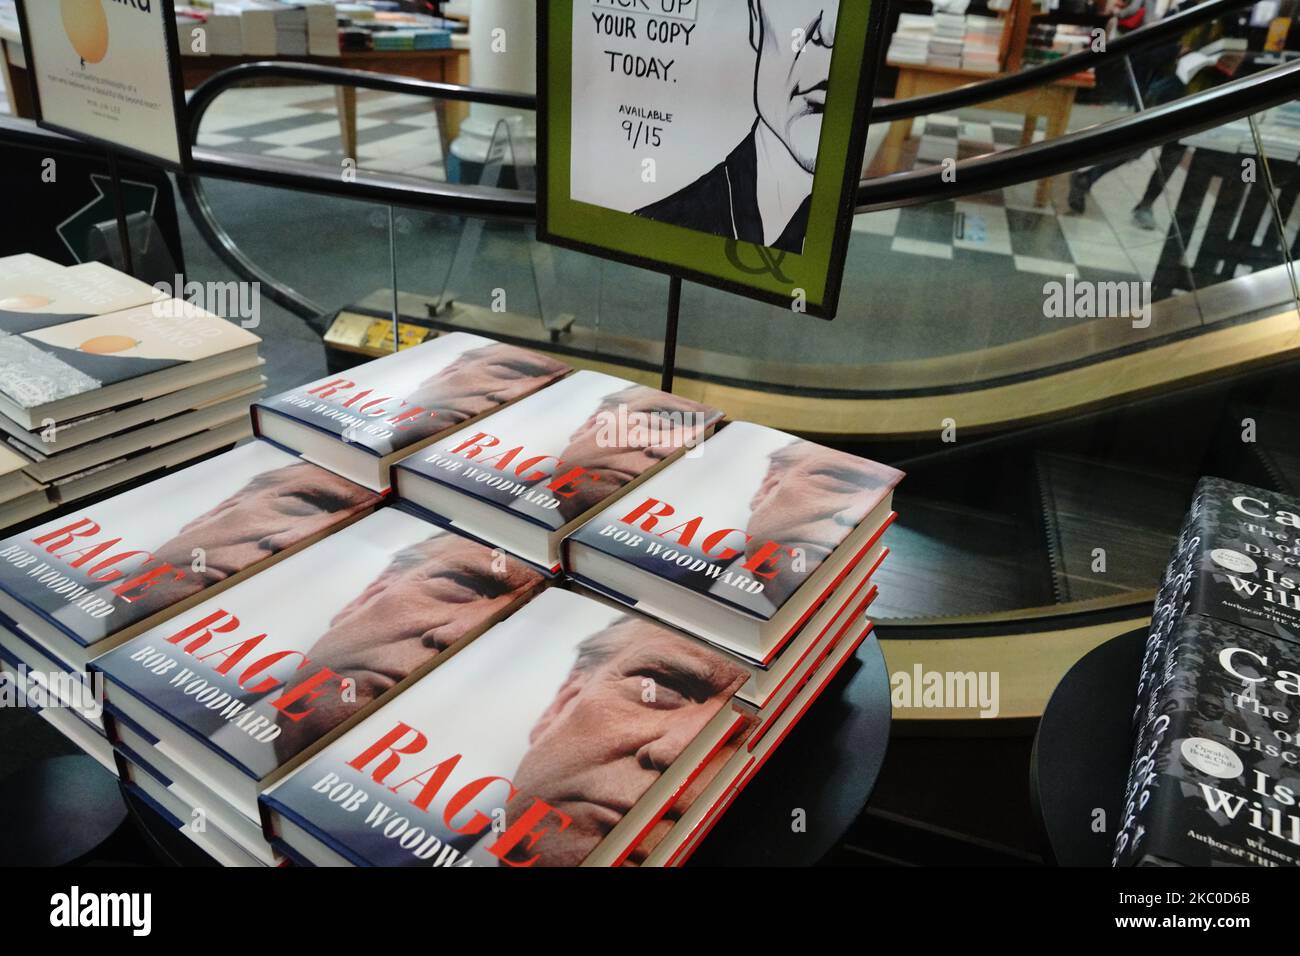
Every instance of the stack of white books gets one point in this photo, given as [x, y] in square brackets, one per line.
[104, 379]
[221, 34]
[948, 41]
[322, 26]
[225, 31]
[291, 30]
[911, 41]
[267, 27]
[980, 44]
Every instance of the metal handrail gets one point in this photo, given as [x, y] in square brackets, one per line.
[1123, 136]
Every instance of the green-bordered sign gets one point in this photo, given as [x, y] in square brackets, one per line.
[716, 140]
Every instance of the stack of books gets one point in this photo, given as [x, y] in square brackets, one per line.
[104, 379]
[236, 692]
[1212, 782]
[979, 52]
[21, 496]
[81, 584]
[266, 27]
[380, 29]
[512, 615]
[322, 18]
[911, 40]
[948, 41]
[291, 30]
[1051, 41]
[222, 33]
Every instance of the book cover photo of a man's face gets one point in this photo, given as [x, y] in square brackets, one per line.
[747, 97]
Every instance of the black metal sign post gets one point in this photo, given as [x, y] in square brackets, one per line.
[670, 334]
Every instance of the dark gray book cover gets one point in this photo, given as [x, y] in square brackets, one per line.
[1220, 782]
[1247, 564]
[1231, 583]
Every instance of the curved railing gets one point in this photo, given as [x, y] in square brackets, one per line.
[1123, 136]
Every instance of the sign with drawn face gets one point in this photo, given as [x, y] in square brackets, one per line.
[719, 140]
[108, 71]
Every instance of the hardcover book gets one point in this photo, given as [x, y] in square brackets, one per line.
[1230, 581]
[524, 477]
[822, 630]
[553, 740]
[57, 438]
[14, 482]
[184, 818]
[21, 685]
[672, 841]
[240, 688]
[98, 575]
[1216, 785]
[152, 463]
[66, 371]
[46, 466]
[360, 422]
[36, 293]
[742, 542]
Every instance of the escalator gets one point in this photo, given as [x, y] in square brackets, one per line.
[1050, 457]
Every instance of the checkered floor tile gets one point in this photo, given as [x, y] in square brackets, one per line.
[395, 133]
[1102, 242]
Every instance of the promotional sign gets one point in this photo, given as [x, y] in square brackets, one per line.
[108, 71]
[716, 140]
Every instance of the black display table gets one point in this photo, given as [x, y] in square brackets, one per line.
[826, 767]
[60, 809]
[1082, 752]
[57, 810]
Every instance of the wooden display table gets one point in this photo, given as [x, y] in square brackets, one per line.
[1053, 101]
[433, 66]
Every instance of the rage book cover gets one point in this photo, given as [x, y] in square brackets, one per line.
[412, 397]
[268, 668]
[100, 569]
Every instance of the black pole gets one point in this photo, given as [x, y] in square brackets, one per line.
[119, 209]
[670, 334]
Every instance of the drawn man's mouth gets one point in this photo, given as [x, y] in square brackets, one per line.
[814, 96]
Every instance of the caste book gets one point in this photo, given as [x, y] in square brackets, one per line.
[1212, 781]
[526, 476]
[556, 739]
[741, 543]
[360, 422]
